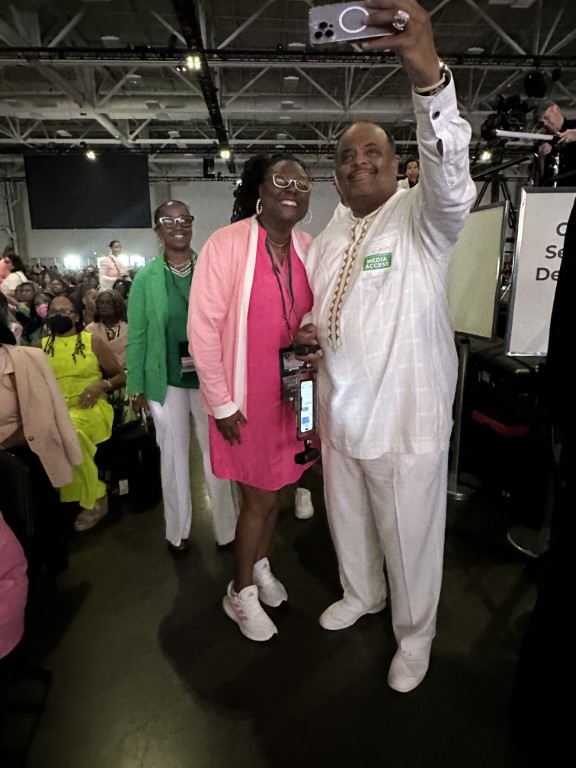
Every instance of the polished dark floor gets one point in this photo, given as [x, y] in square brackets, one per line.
[148, 672]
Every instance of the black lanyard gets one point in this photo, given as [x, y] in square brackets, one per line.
[276, 270]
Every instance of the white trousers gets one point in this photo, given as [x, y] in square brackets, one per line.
[390, 512]
[172, 423]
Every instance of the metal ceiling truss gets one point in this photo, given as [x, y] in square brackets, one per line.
[91, 94]
[192, 33]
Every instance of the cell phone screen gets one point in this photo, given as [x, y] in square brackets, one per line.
[306, 406]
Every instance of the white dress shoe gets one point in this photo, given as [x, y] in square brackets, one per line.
[407, 671]
[342, 614]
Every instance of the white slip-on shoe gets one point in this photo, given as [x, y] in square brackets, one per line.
[303, 507]
[342, 614]
[271, 591]
[244, 608]
[407, 671]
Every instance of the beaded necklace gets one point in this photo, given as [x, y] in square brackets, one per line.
[182, 270]
[112, 332]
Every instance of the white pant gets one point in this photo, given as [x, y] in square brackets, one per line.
[172, 423]
[392, 511]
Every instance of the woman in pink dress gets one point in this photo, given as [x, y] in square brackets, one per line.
[248, 297]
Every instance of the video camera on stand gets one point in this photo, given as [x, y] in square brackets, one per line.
[299, 387]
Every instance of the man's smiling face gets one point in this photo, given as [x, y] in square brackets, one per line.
[366, 168]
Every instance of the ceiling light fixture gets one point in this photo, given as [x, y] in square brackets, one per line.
[194, 61]
[110, 41]
[225, 153]
[291, 82]
[90, 154]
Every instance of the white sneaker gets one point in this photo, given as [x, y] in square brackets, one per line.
[407, 671]
[303, 507]
[244, 608]
[271, 591]
[342, 614]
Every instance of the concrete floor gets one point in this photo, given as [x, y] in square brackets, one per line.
[148, 672]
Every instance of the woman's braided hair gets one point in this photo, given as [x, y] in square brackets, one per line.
[253, 174]
[79, 347]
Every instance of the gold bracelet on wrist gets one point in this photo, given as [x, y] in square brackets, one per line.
[432, 90]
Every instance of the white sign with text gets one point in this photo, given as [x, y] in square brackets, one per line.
[538, 255]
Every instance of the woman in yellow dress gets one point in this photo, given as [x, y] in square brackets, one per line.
[86, 370]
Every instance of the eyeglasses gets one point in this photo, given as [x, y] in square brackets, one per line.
[61, 311]
[169, 222]
[283, 182]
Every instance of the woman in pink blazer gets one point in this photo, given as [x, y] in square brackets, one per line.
[248, 296]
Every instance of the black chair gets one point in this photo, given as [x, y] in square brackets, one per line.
[16, 499]
[32, 508]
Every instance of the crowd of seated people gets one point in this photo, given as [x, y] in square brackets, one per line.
[30, 297]
[28, 289]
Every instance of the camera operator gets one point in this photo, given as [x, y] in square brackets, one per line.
[557, 161]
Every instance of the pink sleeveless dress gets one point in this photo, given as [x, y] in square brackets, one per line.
[265, 458]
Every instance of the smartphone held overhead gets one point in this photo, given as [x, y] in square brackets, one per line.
[341, 23]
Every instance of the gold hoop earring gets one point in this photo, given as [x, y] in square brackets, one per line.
[258, 207]
[307, 219]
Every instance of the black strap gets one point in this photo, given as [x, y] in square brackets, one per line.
[285, 313]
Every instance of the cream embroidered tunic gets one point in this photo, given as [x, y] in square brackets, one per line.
[388, 375]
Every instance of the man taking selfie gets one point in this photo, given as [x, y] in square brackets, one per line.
[389, 367]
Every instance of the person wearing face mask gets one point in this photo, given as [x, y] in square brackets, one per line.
[35, 426]
[86, 370]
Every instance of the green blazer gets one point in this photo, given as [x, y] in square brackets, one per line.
[147, 320]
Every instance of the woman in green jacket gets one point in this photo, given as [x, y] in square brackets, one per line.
[162, 381]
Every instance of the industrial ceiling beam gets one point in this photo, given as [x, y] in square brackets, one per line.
[145, 56]
[190, 26]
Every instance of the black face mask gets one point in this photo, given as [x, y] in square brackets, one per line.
[60, 324]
